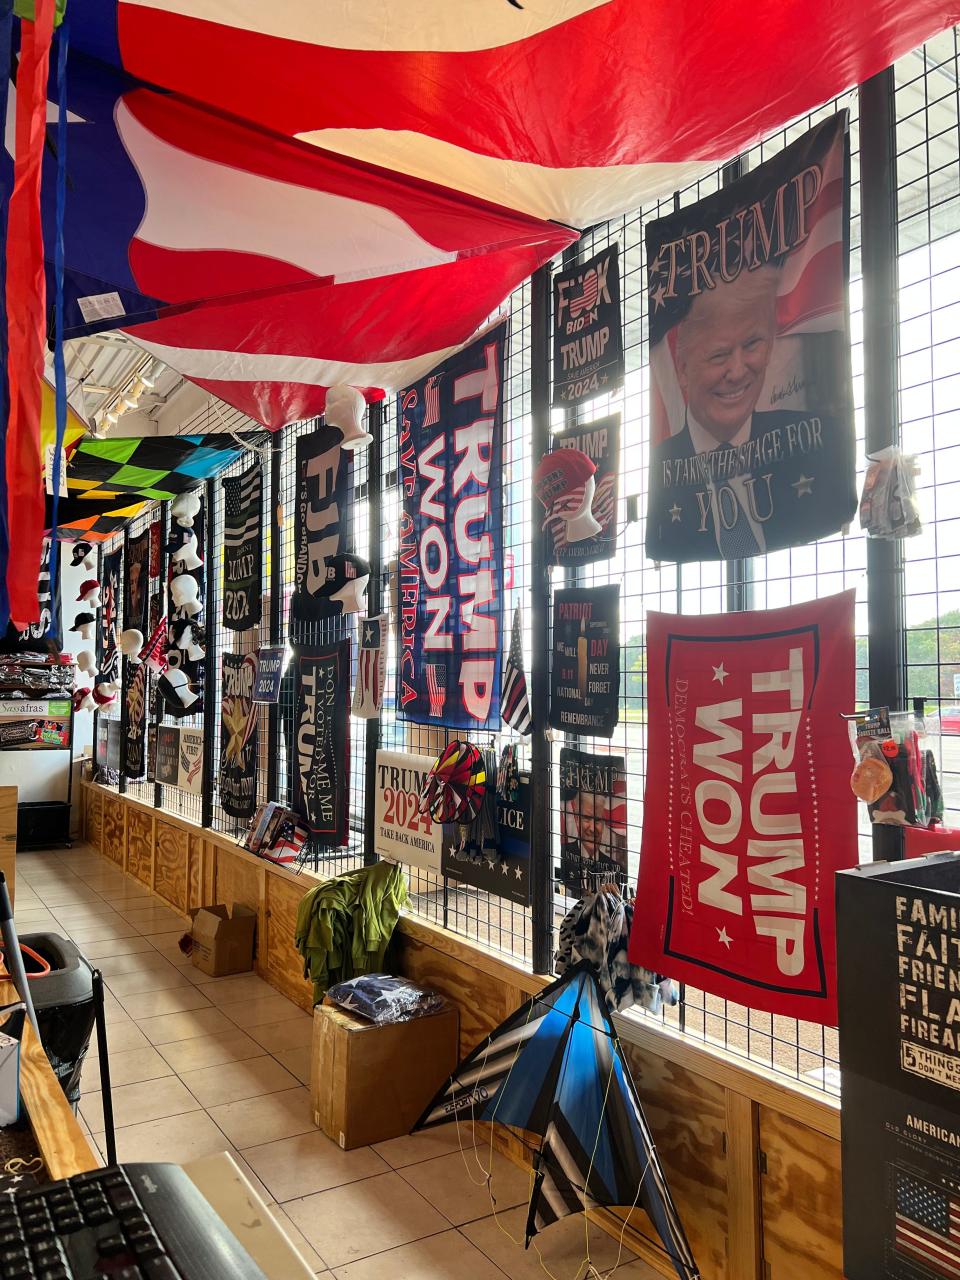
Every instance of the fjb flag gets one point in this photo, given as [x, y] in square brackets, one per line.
[747, 815]
[451, 540]
[263, 269]
[547, 107]
[928, 1225]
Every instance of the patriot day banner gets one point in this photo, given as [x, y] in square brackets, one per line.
[587, 330]
[451, 540]
[320, 525]
[748, 811]
[321, 742]
[239, 716]
[751, 406]
[585, 674]
[600, 442]
[242, 556]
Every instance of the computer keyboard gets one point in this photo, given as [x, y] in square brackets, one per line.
[128, 1222]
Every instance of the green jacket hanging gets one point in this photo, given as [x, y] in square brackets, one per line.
[345, 924]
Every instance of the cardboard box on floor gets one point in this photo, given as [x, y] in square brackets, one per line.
[223, 942]
[369, 1083]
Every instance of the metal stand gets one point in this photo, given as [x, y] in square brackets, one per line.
[105, 1093]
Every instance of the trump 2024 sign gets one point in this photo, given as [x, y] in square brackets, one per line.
[748, 811]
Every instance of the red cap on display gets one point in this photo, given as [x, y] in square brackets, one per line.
[560, 473]
[89, 586]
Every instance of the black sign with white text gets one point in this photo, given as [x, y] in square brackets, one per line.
[321, 730]
[242, 559]
[898, 963]
[320, 524]
[585, 679]
[587, 330]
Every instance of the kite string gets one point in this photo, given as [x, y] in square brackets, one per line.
[488, 1173]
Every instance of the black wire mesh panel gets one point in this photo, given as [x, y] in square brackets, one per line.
[476, 914]
[240, 643]
[928, 210]
[142, 788]
[322, 861]
[112, 713]
[804, 1051]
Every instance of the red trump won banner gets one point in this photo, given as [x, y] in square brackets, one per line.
[748, 810]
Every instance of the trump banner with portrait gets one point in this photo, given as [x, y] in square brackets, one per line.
[593, 840]
[748, 811]
[450, 617]
[752, 443]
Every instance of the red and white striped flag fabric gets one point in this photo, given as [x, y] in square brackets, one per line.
[437, 687]
[514, 702]
[567, 109]
[371, 668]
[928, 1226]
[265, 269]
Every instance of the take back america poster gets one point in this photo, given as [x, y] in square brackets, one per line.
[748, 811]
[451, 540]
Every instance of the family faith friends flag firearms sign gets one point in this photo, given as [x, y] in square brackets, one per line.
[451, 540]
[748, 811]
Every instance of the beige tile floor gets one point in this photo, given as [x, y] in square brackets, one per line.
[202, 1065]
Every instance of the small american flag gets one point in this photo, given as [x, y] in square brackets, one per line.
[928, 1225]
[586, 299]
[514, 703]
[371, 669]
[437, 687]
[432, 401]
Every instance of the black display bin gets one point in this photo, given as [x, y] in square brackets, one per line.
[43, 824]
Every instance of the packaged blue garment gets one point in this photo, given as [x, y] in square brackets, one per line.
[382, 998]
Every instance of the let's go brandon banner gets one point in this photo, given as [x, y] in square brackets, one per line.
[748, 810]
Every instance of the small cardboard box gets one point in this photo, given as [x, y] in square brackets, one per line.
[223, 942]
[369, 1083]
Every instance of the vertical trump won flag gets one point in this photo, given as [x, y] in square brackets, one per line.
[451, 539]
[748, 811]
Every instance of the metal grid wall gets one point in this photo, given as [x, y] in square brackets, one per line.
[321, 860]
[804, 1051]
[928, 141]
[141, 788]
[238, 642]
[495, 921]
[928, 229]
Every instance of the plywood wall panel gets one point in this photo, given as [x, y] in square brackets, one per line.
[171, 864]
[199, 857]
[482, 1000]
[113, 842]
[140, 844]
[802, 1200]
[279, 960]
[687, 1116]
[93, 817]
